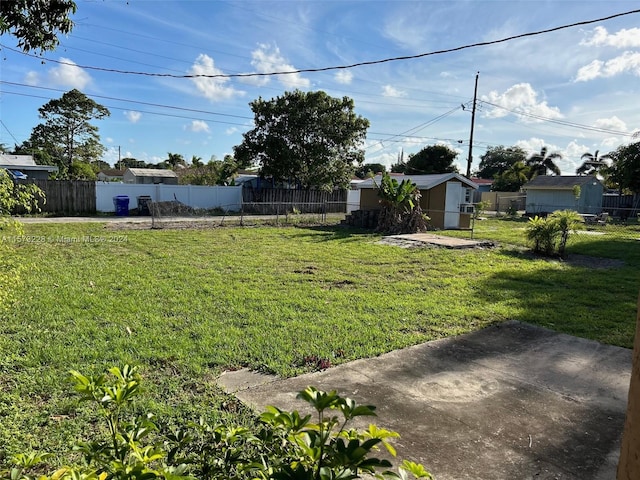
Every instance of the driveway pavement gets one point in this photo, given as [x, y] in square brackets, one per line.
[511, 401]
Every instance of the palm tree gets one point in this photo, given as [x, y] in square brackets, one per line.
[592, 163]
[175, 159]
[540, 163]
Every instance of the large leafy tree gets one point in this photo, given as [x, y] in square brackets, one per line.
[370, 169]
[308, 138]
[592, 163]
[431, 159]
[543, 162]
[67, 134]
[497, 160]
[624, 172]
[36, 23]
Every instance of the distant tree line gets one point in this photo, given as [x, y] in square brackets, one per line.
[510, 167]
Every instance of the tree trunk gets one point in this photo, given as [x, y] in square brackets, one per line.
[629, 463]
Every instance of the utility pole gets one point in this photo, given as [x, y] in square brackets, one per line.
[473, 120]
[119, 166]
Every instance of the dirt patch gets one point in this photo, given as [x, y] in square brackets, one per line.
[165, 225]
[404, 243]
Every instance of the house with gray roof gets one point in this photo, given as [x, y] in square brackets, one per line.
[24, 166]
[150, 176]
[547, 193]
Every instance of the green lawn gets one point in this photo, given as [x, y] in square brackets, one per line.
[185, 305]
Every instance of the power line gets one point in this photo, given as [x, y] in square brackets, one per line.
[560, 122]
[4, 92]
[339, 67]
[9, 132]
[415, 129]
[130, 101]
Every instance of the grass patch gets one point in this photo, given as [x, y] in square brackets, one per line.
[187, 304]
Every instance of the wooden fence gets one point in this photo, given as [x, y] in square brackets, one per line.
[68, 197]
[281, 200]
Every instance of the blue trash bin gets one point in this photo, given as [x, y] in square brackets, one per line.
[121, 204]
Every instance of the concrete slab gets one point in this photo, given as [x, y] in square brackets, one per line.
[511, 401]
[415, 239]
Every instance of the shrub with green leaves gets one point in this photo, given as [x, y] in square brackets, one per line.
[549, 236]
[281, 445]
[401, 212]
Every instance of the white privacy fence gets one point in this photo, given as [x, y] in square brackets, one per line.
[196, 196]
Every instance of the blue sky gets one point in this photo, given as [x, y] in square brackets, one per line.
[575, 90]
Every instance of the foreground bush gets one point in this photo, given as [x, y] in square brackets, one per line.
[281, 445]
[549, 236]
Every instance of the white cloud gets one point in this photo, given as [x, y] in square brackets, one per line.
[613, 123]
[267, 59]
[389, 91]
[408, 31]
[198, 126]
[230, 131]
[628, 62]
[534, 144]
[520, 98]
[590, 71]
[610, 142]
[624, 38]
[109, 140]
[68, 74]
[214, 89]
[132, 116]
[344, 76]
[32, 78]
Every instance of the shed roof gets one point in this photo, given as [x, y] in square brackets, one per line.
[23, 162]
[423, 182]
[152, 172]
[482, 181]
[558, 182]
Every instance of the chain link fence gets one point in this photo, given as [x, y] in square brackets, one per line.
[175, 214]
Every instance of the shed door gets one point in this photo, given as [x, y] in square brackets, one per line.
[452, 205]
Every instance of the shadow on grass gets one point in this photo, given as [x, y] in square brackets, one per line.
[598, 304]
[610, 246]
[325, 233]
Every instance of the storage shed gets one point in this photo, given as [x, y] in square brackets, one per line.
[546, 194]
[150, 176]
[446, 197]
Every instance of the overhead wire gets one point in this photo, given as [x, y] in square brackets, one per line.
[172, 107]
[559, 122]
[4, 92]
[338, 67]
[414, 129]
